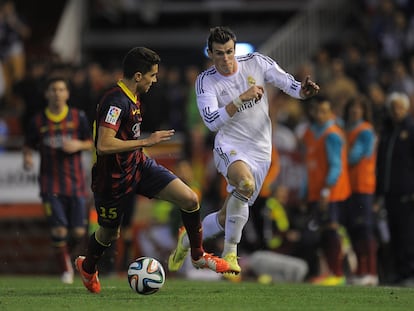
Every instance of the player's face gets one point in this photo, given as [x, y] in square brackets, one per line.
[145, 81]
[223, 57]
[57, 94]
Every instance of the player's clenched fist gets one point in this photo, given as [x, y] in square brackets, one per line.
[308, 88]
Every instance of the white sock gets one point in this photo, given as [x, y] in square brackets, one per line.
[211, 228]
[237, 214]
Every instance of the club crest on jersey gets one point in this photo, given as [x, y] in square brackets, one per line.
[251, 81]
[113, 115]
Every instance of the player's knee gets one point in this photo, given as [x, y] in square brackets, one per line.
[190, 202]
[78, 232]
[246, 187]
[59, 233]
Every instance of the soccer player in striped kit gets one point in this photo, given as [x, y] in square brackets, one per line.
[60, 133]
[123, 170]
[232, 101]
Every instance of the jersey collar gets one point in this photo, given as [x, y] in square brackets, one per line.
[57, 117]
[127, 92]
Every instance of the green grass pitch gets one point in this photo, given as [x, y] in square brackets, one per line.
[48, 293]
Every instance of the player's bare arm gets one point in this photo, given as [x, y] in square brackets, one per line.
[107, 142]
[308, 88]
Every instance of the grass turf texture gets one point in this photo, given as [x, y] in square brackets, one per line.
[48, 293]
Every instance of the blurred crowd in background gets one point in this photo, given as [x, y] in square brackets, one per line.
[376, 60]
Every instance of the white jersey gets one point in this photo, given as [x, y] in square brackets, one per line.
[249, 131]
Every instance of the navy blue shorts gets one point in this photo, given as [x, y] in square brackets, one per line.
[154, 178]
[359, 212]
[65, 211]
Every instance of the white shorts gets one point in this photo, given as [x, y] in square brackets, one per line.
[259, 169]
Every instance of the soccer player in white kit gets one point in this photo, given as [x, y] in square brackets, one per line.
[232, 101]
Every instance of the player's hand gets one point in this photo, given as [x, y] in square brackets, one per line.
[255, 92]
[159, 136]
[71, 145]
[28, 163]
[308, 88]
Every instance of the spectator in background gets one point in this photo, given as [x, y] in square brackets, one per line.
[353, 64]
[395, 186]
[359, 214]
[30, 90]
[323, 67]
[13, 32]
[393, 38]
[60, 134]
[371, 71]
[376, 96]
[382, 19]
[401, 80]
[328, 185]
[340, 88]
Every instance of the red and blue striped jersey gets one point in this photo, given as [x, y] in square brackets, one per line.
[117, 174]
[60, 172]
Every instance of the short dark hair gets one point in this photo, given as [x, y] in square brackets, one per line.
[139, 59]
[220, 34]
[54, 79]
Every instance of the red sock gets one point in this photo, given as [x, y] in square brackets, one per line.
[93, 255]
[192, 224]
[372, 257]
[361, 252]
[366, 252]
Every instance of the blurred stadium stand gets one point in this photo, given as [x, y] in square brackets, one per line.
[184, 23]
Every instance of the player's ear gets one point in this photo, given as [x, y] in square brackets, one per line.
[138, 76]
[209, 54]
